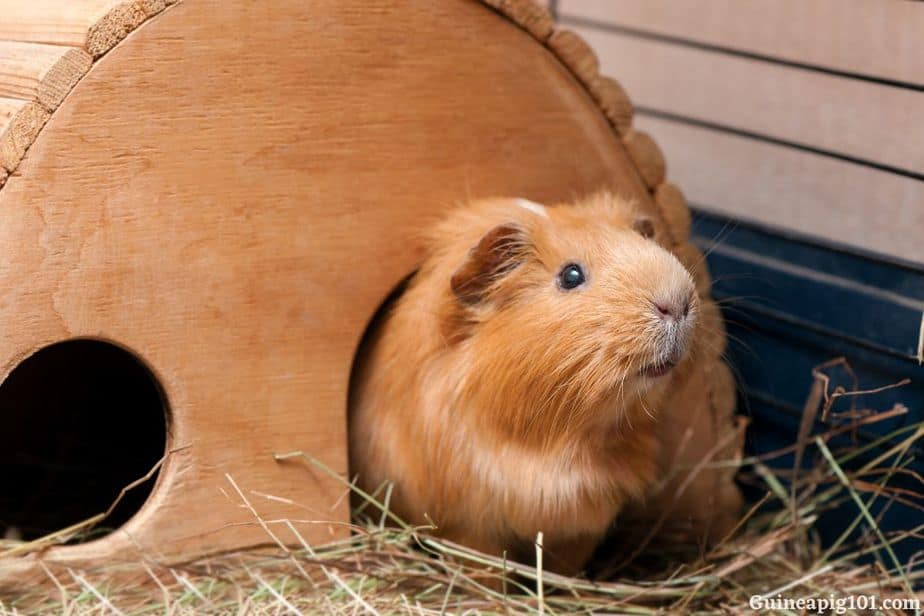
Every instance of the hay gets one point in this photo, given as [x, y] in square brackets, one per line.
[388, 567]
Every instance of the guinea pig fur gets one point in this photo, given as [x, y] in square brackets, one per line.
[512, 388]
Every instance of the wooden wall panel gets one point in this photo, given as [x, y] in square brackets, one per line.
[865, 120]
[806, 116]
[785, 187]
[880, 38]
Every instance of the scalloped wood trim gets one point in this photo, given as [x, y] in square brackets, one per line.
[47, 46]
[21, 122]
[576, 54]
[648, 158]
[39, 72]
[674, 209]
[530, 16]
[614, 102]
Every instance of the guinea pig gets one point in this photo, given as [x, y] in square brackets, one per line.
[512, 388]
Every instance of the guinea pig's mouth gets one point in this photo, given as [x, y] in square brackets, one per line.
[657, 370]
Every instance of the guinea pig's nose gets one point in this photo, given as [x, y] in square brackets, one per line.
[674, 310]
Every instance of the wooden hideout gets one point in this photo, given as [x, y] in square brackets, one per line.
[228, 192]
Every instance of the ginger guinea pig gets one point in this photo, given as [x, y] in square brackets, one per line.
[511, 388]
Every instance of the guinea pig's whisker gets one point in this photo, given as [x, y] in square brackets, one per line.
[735, 309]
[745, 326]
[741, 276]
[641, 402]
[622, 392]
[720, 237]
[732, 299]
[744, 345]
[731, 338]
[627, 417]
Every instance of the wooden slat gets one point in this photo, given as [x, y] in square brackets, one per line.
[856, 118]
[20, 122]
[52, 21]
[787, 188]
[95, 25]
[43, 73]
[882, 38]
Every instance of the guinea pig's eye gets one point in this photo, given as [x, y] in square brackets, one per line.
[571, 276]
[644, 227]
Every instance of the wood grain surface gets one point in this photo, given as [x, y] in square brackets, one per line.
[782, 187]
[233, 190]
[804, 116]
[873, 122]
[873, 38]
[237, 228]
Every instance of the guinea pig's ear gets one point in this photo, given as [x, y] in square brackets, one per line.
[500, 250]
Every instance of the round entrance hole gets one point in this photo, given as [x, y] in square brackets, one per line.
[80, 420]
